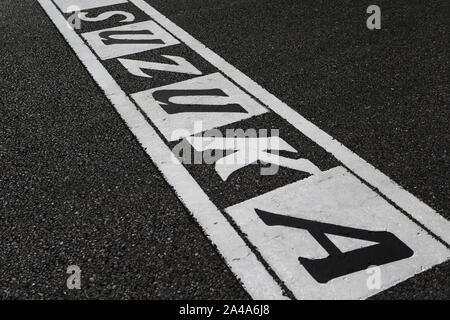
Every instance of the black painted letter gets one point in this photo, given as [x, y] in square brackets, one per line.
[387, 249]
[164, 96]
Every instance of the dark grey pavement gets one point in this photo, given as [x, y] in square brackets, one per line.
[76, 188]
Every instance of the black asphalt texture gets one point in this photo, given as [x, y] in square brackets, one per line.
[76, 187]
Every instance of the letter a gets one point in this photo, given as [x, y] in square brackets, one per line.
[374, 21]
[387, 248]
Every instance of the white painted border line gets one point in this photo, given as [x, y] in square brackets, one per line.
[405, 200]
[241, 260]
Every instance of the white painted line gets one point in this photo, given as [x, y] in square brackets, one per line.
[242, 261]
[413, 206]
[67, 5]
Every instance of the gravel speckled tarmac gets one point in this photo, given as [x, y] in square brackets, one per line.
[76, 188]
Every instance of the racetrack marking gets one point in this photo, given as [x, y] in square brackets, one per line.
[199, 99]
[405, 200]
[181, 66]
[318, 241]
[258, 283]
[248, 151]
[141, 36]
[336, 207]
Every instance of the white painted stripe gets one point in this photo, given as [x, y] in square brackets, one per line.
[68, 5]
[242, 261]
[413, 206]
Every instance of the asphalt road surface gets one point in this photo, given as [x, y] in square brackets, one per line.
[78, 189]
